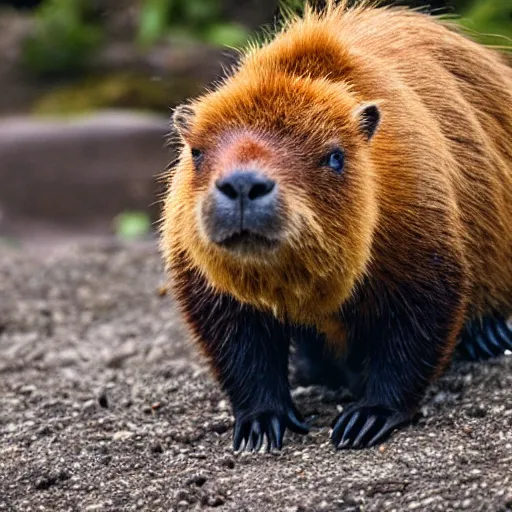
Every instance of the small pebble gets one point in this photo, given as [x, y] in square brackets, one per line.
[122, 435]
[103, 401]
[157, 448]
[163, 290]
[198, 480]
[228, 462]
[478, 411]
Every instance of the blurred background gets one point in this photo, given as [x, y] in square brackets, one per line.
[87, 87]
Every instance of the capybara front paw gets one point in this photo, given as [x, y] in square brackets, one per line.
[361, 426]
[251, 429]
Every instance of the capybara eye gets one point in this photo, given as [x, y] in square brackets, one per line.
[336, 160]
[197, 155]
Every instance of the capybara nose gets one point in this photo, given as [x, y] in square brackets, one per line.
[242, 202]
[245, 186]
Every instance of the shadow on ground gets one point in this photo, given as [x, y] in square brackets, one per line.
[105, 406]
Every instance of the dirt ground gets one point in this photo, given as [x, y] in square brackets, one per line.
[105, 406]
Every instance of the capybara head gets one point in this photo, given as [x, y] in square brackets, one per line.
[272, 197]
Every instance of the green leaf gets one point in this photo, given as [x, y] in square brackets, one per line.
[153, 21]
[132, 225]
[200, 11]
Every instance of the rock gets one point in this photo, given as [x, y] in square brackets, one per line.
[122, 435]
[81, 171]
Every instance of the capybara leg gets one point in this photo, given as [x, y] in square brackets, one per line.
[409, 341]
[248, 350]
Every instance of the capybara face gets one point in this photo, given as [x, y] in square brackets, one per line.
[275, 177]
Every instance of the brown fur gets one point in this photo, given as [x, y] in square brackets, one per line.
[436, 178]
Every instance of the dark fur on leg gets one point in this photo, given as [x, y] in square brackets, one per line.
[249, 351]
[317, 364]
[406, 340]
[314, 361]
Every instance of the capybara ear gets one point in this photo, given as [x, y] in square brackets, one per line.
[368, 116]
[182, 119]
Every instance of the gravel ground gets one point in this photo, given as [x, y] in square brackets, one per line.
[105, 406]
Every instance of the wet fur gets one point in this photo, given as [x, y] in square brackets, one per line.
[389, 260]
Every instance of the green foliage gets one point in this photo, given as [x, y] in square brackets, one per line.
[63, 40]
[295, 6]
[226, 34]
[187, 20]
[132, 225]
[153, 20]
[116, 90]
[491, 19]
